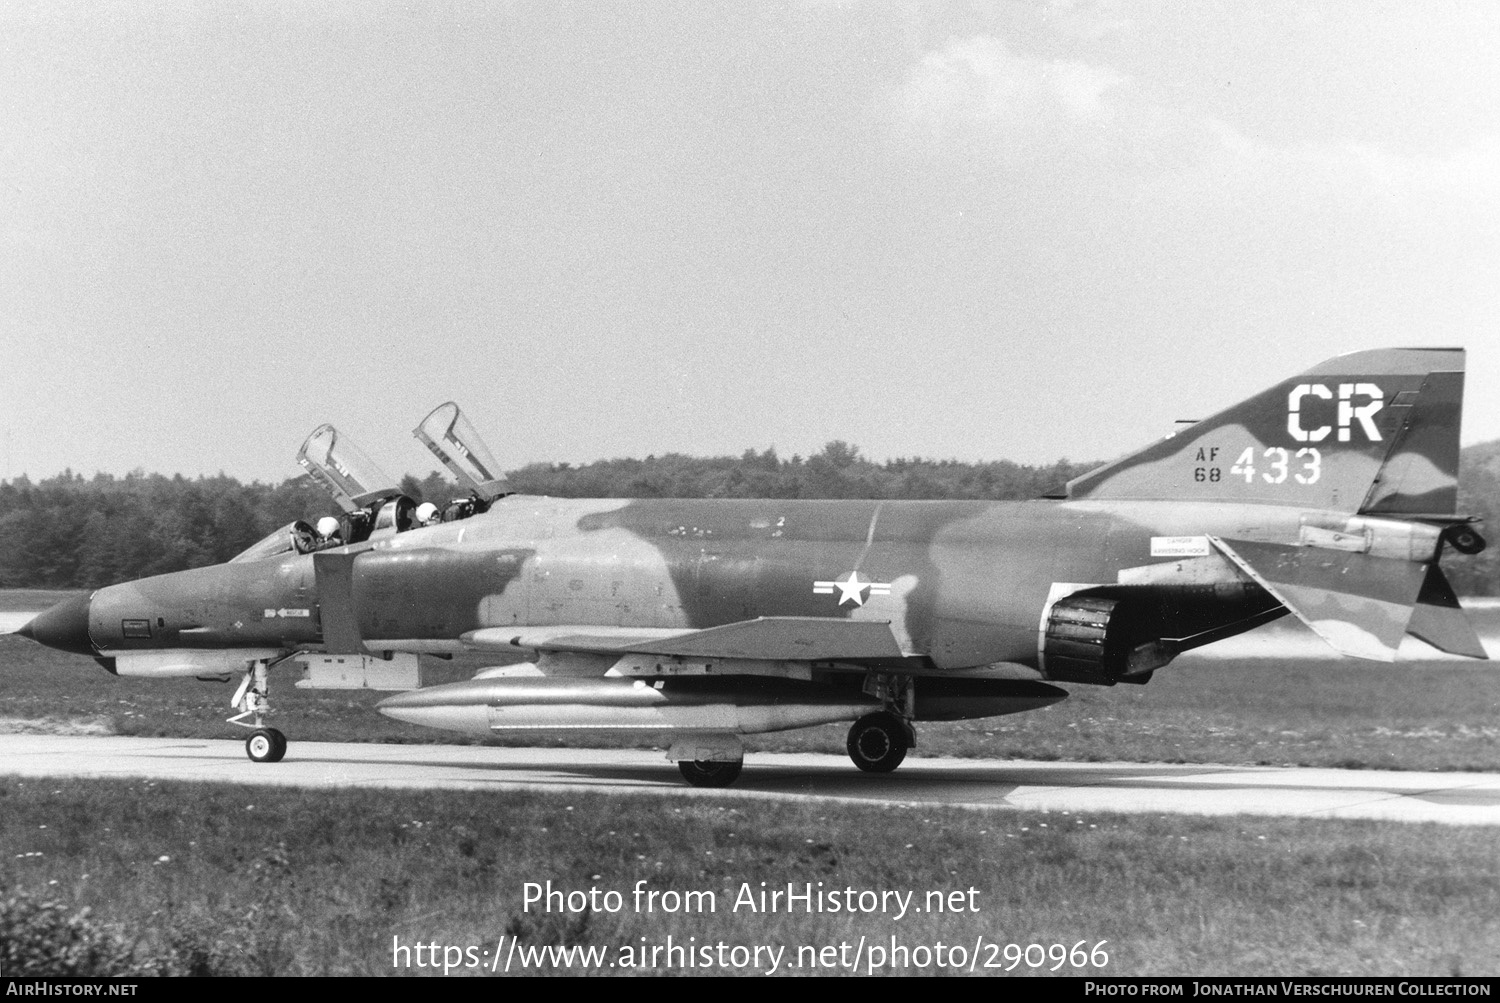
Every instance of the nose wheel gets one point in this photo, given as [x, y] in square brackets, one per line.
[265, 745]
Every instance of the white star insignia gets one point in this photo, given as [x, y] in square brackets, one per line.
[852, 589]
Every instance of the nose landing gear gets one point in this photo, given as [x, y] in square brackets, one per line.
[252, 700]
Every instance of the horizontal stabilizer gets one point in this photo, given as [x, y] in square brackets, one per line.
[773, 638]
[1361, 605]
[1440, 621]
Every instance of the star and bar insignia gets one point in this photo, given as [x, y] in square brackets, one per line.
[852, 589]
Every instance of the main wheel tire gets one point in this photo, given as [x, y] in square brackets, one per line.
[280, 751]
[710, 774]
[878, 742]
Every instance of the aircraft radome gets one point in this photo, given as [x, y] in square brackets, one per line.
[1330, 496]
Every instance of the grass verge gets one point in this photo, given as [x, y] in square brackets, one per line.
[211, 879]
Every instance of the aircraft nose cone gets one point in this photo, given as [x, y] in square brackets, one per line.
[64, 626]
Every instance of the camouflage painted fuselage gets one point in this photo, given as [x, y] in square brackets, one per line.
[961, 583]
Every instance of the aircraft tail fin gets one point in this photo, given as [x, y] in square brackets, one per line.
[1371, 432]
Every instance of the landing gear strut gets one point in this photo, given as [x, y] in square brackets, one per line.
[878, 742]
[265, 745]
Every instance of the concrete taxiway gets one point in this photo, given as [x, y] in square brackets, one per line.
[1454, 798]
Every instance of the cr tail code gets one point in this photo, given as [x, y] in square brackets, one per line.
[1348, 412]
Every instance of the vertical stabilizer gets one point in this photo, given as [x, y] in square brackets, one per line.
[1374, 431]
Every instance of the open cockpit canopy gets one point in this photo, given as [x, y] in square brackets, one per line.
[343, 470]
[452, 438]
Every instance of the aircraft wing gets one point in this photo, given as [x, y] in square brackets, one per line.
[770, 638]
[1359, 604]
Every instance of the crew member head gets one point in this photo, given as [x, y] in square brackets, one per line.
[427, 514]
[328, 527]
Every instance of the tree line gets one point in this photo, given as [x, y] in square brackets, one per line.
[72, 531]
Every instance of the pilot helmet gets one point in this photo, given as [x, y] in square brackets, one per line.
[426, 512]
[327, 526]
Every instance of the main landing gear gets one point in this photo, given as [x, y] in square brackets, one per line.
[265, 745]
[879, 741]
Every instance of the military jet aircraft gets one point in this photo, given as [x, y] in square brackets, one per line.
[1330, 496]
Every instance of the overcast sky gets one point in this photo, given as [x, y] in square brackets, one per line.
[1010, 231]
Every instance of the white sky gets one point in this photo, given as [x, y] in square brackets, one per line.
[1018, 231]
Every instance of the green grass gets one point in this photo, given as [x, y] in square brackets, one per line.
[31, 600]
[270, 881]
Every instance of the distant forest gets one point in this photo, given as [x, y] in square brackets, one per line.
[72, 531]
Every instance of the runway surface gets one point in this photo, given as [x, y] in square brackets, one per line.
[1454, 798]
